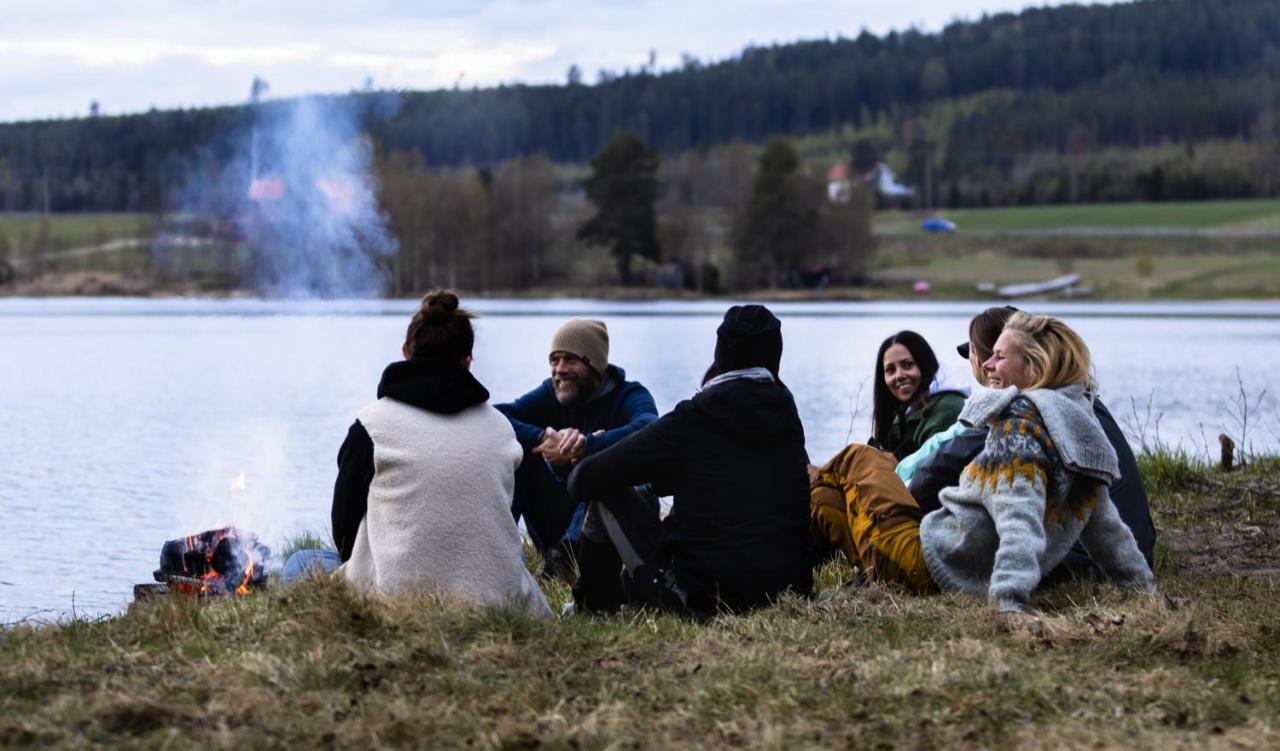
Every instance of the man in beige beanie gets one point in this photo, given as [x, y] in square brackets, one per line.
[579, 359]
[586, 406]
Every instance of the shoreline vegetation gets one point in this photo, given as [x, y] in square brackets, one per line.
[1150, 251]
[320, 665]
[953, 273]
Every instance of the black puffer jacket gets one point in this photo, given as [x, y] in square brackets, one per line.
[733, 456]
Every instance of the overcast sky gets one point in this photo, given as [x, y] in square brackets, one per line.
[57, 56]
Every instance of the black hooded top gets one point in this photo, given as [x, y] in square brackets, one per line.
[442, 386]
[733, 456]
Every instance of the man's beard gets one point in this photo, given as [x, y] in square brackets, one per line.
[570, 392]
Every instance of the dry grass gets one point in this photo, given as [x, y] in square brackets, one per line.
[323, 666]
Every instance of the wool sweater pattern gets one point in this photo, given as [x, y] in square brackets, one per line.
[1039, 484]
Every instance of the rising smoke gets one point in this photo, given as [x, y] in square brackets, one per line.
[299, 190]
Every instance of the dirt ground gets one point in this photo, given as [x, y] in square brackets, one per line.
[1223, 527]
[1233, 548]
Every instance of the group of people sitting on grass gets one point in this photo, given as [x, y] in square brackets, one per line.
[1024, 481]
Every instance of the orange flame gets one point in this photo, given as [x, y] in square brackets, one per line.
[211, 581]
[243, 589]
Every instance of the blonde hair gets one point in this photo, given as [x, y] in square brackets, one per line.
[1053, 353]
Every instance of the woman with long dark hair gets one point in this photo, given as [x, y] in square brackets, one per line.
[910, 405]
[909, 402]
[983, 330]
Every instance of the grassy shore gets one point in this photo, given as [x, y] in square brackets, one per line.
[1249, 215]
[22, 232]
[1178, 268]
[109, 254]
[322, 666]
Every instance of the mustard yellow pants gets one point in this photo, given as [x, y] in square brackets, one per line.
[858, 504]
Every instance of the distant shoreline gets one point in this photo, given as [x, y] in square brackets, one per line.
[112, 285]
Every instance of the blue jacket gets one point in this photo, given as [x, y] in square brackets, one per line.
[619, 407]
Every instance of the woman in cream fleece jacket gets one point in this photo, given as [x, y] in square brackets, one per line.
[425, 477]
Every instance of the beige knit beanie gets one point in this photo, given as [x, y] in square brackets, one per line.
[586, 338]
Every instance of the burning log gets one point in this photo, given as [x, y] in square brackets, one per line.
[217, 562]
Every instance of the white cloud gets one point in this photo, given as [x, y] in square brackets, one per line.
[95, 53]
[269, 54]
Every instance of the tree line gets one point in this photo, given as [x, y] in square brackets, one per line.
[1010, 108]
[741, 218]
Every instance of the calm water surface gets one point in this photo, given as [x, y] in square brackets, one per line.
[130, 422]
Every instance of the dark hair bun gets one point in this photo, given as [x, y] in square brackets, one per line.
[439, 328]
[437, 307]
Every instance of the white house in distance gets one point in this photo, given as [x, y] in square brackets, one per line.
[883, 178]
[838, 184]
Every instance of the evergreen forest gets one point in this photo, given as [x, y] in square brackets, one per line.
[715, 175]
[1148, 100]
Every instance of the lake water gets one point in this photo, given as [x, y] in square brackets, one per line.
[130, 422]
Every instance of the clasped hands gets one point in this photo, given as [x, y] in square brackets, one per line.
[563, 448]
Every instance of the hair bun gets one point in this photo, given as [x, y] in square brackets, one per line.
[438, 306]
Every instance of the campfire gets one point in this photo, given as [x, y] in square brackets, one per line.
[218, 562]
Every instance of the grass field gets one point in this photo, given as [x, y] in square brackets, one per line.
[1180, 267]
[1000, 246]
[69, 231]
[1260, 215]
[321, 666]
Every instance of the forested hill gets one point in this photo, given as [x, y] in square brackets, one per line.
[1137, 72]
[975, 106]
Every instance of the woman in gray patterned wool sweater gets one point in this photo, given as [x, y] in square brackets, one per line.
[1038, 486]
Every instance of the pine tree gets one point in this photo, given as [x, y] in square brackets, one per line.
[623, 186]
[781, 215]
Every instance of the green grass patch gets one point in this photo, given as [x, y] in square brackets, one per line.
[1245, 214]
[1180, 268]
[22, 232]
[1167, 469]
[305, 540]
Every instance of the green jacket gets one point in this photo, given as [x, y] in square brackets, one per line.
[912, 427]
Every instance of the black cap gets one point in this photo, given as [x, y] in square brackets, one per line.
[963, 349]
[749, 337]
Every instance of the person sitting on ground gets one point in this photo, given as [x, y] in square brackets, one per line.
[733, 458]
[1038, 485]
[910, 400]
[586, 406]
[983, 330]
[941, 467]
[425, 479]
[910, 405]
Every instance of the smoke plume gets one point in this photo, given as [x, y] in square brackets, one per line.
[299, 192]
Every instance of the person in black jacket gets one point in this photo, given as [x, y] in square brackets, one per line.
[942, 469]
[733, 457]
